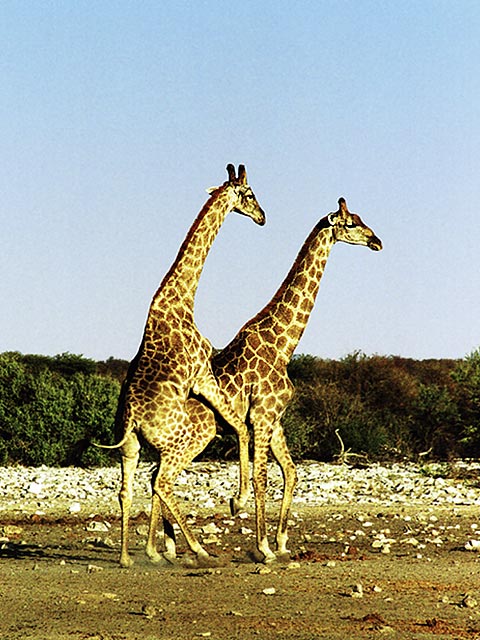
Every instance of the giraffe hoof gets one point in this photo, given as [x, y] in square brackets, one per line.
[154, 556]
[162, 559]
[126, 562]
[236, 506]
[168, 559]
[268, 558]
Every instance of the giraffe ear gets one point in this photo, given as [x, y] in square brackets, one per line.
[332, 218]
[210, 190]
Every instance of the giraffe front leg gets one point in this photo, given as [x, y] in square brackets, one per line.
[207, 386]
[282, 455]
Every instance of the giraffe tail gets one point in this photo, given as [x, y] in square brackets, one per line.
[112, 446]
[131, 425]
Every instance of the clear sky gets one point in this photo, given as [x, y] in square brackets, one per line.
[116, 116]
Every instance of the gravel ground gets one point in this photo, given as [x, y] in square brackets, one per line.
[384, 551]
[211, 484]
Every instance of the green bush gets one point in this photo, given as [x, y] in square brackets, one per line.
[50, 415]
[53, 408]
[467, 390]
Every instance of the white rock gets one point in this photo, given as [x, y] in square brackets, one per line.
[473, 545]
[211, 527]
[98, 526]
[35, 488]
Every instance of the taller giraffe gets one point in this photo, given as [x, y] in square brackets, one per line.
[174, 360]
[252, 369]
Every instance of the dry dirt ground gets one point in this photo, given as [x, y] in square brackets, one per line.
[355, 572]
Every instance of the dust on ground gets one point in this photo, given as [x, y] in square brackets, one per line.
[355, 572]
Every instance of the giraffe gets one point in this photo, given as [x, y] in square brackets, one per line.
[252, 369]
[172, 361]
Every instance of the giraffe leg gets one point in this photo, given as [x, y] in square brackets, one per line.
[168, 532]
[259, 486]
[164, 490]
[282, 455]
[151, 549]
[130, 454]
[207, 386]
[199, 429]
[170, 553]
[237, 503]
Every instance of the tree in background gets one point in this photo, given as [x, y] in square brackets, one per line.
[51, 409]
[466, 376]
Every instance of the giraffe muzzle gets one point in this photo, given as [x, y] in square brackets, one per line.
[375, 244]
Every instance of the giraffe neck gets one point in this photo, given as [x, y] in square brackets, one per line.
[181, 281]
[286, 315]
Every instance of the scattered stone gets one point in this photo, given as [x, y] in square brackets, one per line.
[211, 527]
[469, 601]
[473, 545]
[262, 570]
[357, 591]
[35, 488]
[149, 611]
[412, 541]
[98, 526]
[245, 531]
[269, 591]
[10, 530]
[75, 489]
[93, 568]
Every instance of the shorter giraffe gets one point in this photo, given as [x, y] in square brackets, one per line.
[252, 369]
[173, 361]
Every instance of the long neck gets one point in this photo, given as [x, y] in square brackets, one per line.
[182, 279]
[287, 313]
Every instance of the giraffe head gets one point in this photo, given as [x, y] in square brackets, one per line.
[348, 227]
[244, 200]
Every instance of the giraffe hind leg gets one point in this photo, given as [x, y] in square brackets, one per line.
[130, 454]
[164, 495]
[201, 431]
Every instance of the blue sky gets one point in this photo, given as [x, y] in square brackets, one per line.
[116, 116]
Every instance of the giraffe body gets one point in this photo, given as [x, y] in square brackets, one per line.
[172, 362]
[252, 369]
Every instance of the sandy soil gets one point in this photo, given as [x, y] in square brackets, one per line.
[355, 572]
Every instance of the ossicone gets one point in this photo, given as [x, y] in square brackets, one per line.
[242, 174]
